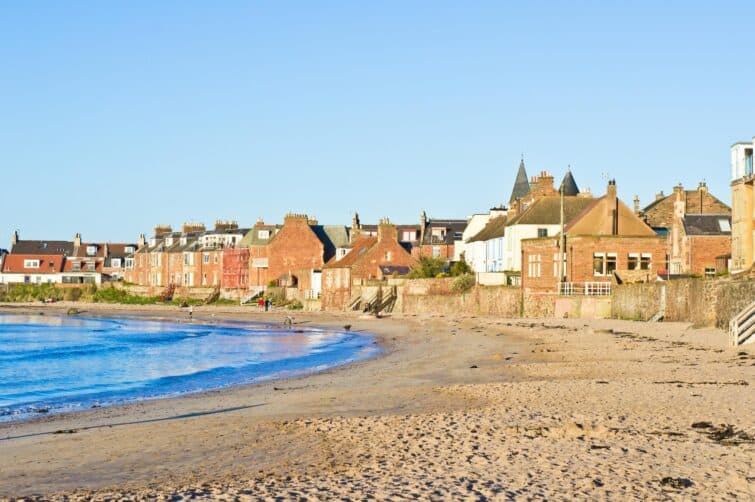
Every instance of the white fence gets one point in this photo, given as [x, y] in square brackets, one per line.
[584, 288]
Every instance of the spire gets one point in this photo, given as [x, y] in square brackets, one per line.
[521, 185]
[568, 185]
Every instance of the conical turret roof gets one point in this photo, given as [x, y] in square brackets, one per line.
[568, 185]
[521, 185]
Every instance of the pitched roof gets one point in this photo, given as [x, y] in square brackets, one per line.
[252, 237]
[707, 224]
[48, 264]
[43, 247]
[521, 184]
[338, 234]
[361, 246]
[547, 210]
[453, 228]
[495, 227]
[568, 185]
[656, 216]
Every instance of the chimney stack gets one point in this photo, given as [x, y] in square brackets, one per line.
[636, 204]
[660, 195]
[106, 250]
[162, 229]
[613, 206]
[77, 240]
[702, 187]
[387, 231]
[141, 241]
[14, 238]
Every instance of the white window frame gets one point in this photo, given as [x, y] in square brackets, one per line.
[115, 262]
[31, 263]
[263, 234]
[646, 258]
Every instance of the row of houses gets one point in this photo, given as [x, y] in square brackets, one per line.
[548, 238]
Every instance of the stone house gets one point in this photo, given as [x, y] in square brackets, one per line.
[671, 216]
[372, 258]
[606, 241]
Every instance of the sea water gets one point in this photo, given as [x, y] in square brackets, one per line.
[51, 364]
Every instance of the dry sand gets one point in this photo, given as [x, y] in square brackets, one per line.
[467, 408]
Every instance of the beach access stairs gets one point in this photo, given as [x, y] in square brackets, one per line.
[254, 292]
[381, 301]
[742, 327]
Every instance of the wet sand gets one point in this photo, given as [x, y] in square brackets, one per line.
[456, 408]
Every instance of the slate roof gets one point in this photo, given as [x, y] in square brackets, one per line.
[547, 210]
[521, 184]
[707, 224]
[495, 228]
[252, 236]
[568, 185]
[338, 234]
[453, 227]
[43, 247]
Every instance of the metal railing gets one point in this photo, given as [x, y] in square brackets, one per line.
[584, 288]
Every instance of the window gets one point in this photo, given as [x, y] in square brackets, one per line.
[436, 251]
[263, 234]
[31, 263]
[645, 260]
[633, 261]
[206, 258]
[710, 272]
[533, 262]
[90, 266]
[555, 265]
[603, 264]
[724, 225]
[129, 263]
[115, 263]
[388, 256]
[598, 263]
[409, 236]
[542, 232]
[91, 250]
[169, 241]
[76, 266]
[216, 258]
[610, 263]
[129, 249]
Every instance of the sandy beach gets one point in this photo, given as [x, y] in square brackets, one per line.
[471, 408]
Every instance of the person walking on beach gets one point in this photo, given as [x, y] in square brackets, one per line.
[191, 312]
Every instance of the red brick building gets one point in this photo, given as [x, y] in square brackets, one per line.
[372, 258]
[697, 227]
[235, 268]
[606, 241]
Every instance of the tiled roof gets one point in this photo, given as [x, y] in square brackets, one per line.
[361, 246]
[547, 210]
[43, 247]
[338, 234]
[48, 264]
[68, 266]
[495, 228]
[707, 224]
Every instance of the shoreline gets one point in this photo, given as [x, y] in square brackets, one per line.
[463, 407]
[264, 324]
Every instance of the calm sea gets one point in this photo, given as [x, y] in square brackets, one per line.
[54, 364]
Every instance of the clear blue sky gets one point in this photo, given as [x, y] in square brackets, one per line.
[117, 117]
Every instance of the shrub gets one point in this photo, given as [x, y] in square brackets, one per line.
[428, 268]
[295, 305]
[463, 283]
[461, 267]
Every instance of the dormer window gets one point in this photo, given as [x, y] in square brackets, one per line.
[263, 234]
[91, 250]
[183, 241]
[169, 241]
[31, 263]
[129, 249]
[76, 266]
[115, 263]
